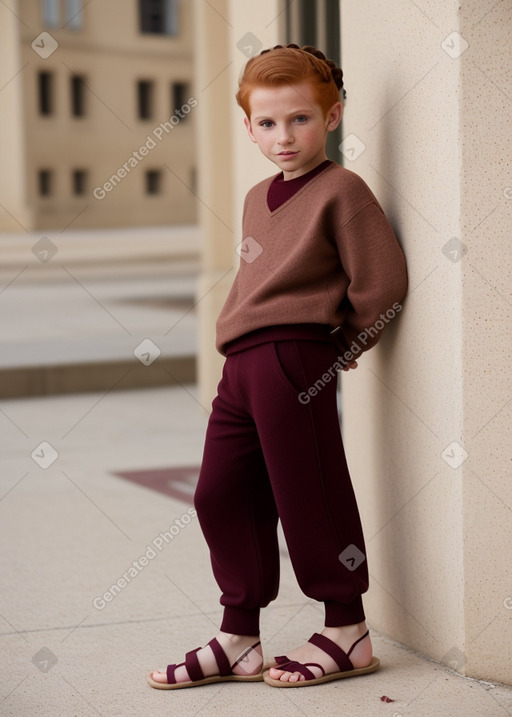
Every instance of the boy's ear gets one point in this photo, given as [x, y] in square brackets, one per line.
[334, 116]
[248, 127]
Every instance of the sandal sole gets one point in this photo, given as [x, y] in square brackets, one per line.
[206, 681]
[372, 667]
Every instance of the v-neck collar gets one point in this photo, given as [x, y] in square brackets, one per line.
[270, 212]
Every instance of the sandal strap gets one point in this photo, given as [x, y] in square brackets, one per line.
[355, 643]
[190, 663]
[171, 669]
[194, 669]
[220, 658]
[335, 652]
[292, 666]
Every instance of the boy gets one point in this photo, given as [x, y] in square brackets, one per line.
[323, 266]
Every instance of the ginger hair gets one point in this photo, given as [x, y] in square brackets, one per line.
[291, 65]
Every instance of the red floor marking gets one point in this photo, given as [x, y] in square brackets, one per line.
[179, 482]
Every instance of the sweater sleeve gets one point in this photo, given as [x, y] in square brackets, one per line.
[377, 278]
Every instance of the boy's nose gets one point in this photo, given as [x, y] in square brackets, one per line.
[285, 136]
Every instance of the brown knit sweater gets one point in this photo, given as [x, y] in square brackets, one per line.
[328, 255]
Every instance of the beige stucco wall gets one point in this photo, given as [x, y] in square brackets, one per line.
[228, 162]
[13, 209]
[436, 128]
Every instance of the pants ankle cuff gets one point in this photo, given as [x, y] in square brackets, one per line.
[241, 622]
[338, 613]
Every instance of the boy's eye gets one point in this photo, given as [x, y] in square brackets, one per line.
[301, 119]
[266, 123]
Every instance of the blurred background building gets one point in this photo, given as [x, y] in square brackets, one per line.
[97, 113]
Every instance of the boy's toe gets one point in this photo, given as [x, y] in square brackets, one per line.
[159, 676]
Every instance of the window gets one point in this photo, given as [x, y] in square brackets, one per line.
[179, 96]
[45, 92]
[78, 88]
[308, 22]
[51, 13]
[45, 182]
[74, 18]
[153, 181]
[145, 99]
[79, 182]
[159, 17]
[317, 22]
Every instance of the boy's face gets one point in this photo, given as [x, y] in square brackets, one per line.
[289, 126]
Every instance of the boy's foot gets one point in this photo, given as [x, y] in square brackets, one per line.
[323, 664]
[242, 656]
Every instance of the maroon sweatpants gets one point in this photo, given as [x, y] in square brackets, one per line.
[270, 453]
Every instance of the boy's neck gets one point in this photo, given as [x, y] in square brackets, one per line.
[296, 175]
[287, 176]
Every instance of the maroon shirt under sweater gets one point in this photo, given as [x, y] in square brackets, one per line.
[281, 190]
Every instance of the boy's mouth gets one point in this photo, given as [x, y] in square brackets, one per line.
[287, 154]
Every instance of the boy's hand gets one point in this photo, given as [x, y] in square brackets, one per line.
[352, 364]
